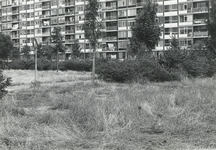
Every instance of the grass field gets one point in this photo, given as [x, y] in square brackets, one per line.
[65, 111]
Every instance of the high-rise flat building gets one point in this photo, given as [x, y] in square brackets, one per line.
[25, 20]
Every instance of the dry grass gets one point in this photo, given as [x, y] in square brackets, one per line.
[170, 115]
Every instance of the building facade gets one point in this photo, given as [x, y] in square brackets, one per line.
[25, 20]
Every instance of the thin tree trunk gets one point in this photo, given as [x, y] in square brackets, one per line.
[57, 61]
[93, 66]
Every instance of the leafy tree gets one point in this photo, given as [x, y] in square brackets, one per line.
[15, 54]
[26, 50]
[6, 46]
[145, 31]
[76, 50]
[44, 51]
[4, 82]
[92, 27]
[211, 41]
[57, 39]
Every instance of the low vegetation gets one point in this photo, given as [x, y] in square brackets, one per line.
[78, 115]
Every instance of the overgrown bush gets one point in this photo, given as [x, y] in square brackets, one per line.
[4, 82]
[193, 63]
[22, 64]
[44, 64]
[76, 64]
[134, 71]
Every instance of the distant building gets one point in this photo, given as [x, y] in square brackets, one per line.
[25, 20]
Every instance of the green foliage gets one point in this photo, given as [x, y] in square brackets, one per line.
[193, 63]
[92, 26]
[15, 54]
[4, 83]
[211, 41]
[25, 51]
[6, 46]
[145, 30]
[44, 51]
[76, 50]
[134, 71]
[77, 65]
[57, 39]
[22, 64]
[42, 64]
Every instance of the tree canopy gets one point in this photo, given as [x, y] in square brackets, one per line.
[211, 41]
[92, 27]
[76, 50]
[6, 46]
[146, 30]
[57, 40]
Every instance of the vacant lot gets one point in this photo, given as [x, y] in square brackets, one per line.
[65, 111]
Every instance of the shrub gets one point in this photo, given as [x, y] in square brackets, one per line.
[4, 82]
[193, 63]
[134, 71]
[43, 64]
[76, 64]
[22, 64]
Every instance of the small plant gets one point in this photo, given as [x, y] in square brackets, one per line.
[4, 82]
[35, 84]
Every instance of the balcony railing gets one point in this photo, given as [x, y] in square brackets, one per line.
[15, 19]
[69, 40]
[69, 31]
[200, 21]
[111, 38]
[70, 3]
[46, 33]
[200, 9]
[15, 11]
[69, 22]
[46, 7]
[111, 28]
[201, 33]
[15, 36]
[111, 18]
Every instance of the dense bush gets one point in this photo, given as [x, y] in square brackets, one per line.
[22, 64]
[192, 63]
[42, 64]
[76, 64]
[4, 82]
[133, 71]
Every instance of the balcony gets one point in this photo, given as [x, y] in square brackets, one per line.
[46, 33]
[15, 19]
[69, 22]
[200, 9]
[200, 21]
[16, 44]
[69, 40]
[111, 38]
[69, 3]
[111, 28]
[69, 31]
[46, 42]
[15, 11]
[111, 18]
[16, 36]
[201, 33]
[46, 7]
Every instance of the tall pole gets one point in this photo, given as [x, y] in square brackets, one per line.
[35, 49]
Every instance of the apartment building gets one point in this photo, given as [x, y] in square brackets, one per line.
[25, 20]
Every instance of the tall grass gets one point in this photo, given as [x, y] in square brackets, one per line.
[169, 115]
